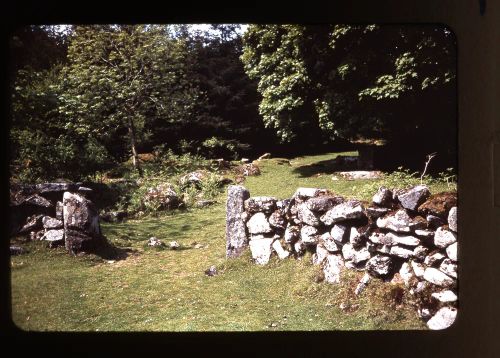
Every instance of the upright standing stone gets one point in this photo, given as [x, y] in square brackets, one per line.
[81, 223]
[236, 236]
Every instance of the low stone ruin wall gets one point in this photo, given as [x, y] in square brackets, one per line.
[59, 213]
[407, 236]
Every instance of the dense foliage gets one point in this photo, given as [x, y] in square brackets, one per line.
[90, 97]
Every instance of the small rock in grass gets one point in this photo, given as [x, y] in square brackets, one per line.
[211, 271]
[174, 245]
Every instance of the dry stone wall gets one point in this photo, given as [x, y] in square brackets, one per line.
[59, 213]
[407, 236]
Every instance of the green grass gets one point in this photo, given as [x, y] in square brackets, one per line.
[167, 290]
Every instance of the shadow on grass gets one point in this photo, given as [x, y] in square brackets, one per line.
[108, 251]
[326, 167]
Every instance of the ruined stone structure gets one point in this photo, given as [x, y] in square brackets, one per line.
[403, 235]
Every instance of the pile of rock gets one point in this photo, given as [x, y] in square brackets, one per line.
[405, 235]
[59, 213]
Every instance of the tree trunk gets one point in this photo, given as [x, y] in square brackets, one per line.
[135, 159]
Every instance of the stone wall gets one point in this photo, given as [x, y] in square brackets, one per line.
[59, 213]
[407, 236]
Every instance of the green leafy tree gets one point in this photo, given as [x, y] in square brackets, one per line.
[126, 77]
[388, 82]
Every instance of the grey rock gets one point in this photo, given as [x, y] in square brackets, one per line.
[339, 233]
[320, 255]
[445, 296]
[261, 250]
[292, 234]
[323, 203]
[375, 213]
[438, 278]
[379, 266]
[280, 251]
[398, 222]
[354, 237]
[81, 223]
[444, 238]
[277, 220]
[349, 210]
[443, 318]
[163, 196]
[284, 204]
[403, 239]
[84, 190]
[401, 252]
[265, 204]
[328, 242]
[434, 259]
[309, 234]
[211, 271]
[51, 223]
[413, 197]
[196, 177]
[332, 268]
[306, 216]
[155, 242]
[258, 224]
[451, 251]
[357, 256]
[37, 200]
[452, 219]
[424, 313]
[173, 245]
[382, 197]
[381, 239]
[54, 235]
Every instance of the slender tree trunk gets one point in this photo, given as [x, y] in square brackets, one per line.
[135, 159]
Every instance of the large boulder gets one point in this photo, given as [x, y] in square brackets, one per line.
[292, 233]
[412, 198]
[356, 255]
[54, 237]
[401, 252]
[349, 210]
[236, 236]
[81, 223]
[258, 224]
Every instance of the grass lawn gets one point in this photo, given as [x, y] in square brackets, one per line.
[167, 290]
